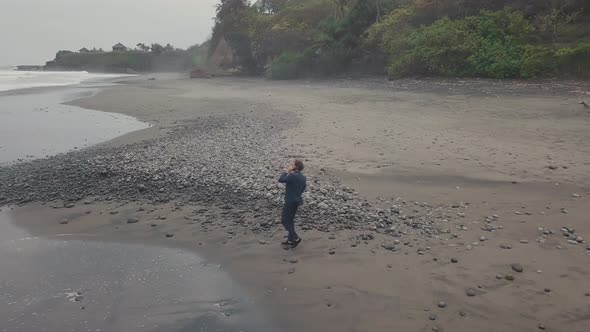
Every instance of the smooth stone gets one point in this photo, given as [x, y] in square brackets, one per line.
[517, 267]
[132, 220]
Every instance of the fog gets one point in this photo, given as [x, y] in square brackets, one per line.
[32, 31]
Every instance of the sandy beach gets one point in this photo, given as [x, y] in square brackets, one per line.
[433, 205]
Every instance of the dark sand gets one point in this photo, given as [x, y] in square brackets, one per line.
[490, 151]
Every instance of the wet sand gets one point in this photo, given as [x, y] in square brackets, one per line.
[73, 282]
[516, 159]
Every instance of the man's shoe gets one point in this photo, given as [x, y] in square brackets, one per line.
[290, 244]
[295, 243]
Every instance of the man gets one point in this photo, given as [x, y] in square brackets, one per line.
[295, 186]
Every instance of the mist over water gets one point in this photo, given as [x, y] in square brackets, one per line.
[11, 79]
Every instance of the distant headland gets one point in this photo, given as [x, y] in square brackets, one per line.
[123, 59]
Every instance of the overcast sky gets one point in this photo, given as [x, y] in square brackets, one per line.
[32, 31]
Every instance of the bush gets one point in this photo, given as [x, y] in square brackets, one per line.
[437, 49]
[538, 61]
[492, 44]
[574, 61]
[288, 66]
[497, 42]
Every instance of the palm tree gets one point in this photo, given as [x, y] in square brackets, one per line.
[143, 47]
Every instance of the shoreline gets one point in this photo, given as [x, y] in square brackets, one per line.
[377, 276]
[34, 122]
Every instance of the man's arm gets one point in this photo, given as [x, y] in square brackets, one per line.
[284, 178]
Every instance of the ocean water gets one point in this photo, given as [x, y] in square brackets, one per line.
[11, 79]
[37, 124]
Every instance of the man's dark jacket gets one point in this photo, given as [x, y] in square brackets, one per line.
[296, 184]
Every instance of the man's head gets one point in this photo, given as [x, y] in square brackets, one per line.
[297, 165]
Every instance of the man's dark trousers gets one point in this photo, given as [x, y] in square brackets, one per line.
[288, 219]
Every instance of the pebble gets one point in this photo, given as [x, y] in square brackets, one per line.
[462, 313]
[293, 260]
[64, 221]
[332, 252]
[541, 327]
[454, 260]
[114, 212]
[506, 246]
[442, 304]
[547, 290]
[470, 292]
[482, 238]
[291, 270]
[263, 242]
[169, 235]
[576, 195]
[509, 277]
[432, 317]
[132, 220]
[389, 246]
[435, 329]
[524, 241]
[516, 267]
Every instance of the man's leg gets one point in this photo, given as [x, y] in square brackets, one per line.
[294, 212]
[289, 210]
[285, 216]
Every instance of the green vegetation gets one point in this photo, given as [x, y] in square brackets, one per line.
[144, 58]
[288, 39]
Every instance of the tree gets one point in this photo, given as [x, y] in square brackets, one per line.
[270, 7]
[143, 47]
[232, 23]
[557, 20]
[157, 48]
